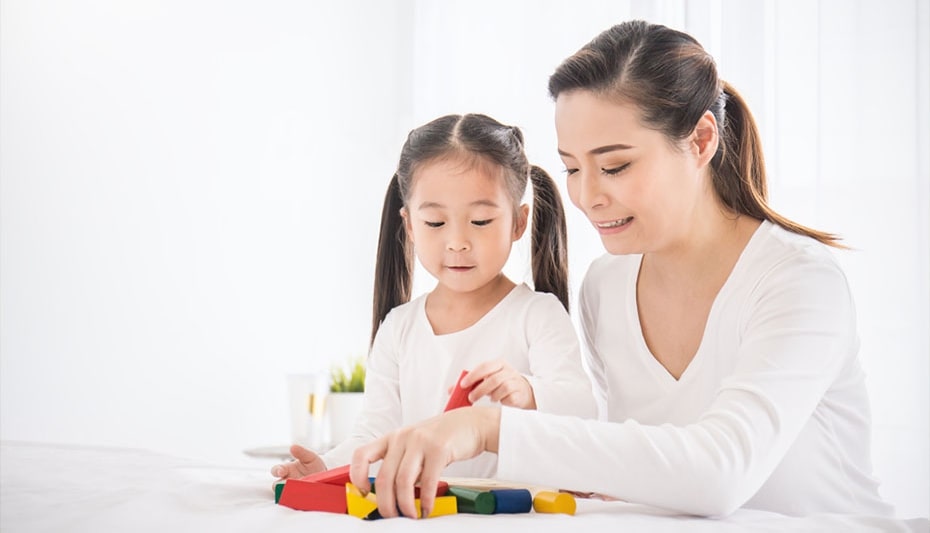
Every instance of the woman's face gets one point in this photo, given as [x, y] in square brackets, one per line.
[639, 191]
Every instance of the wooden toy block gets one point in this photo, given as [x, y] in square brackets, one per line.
[278, 489]
[459, 397]
[554, 502]
[334, 476]
[310, 496]
[473, 501]
[509, 501]
[442, 505]
[441, 488]
[358, 505]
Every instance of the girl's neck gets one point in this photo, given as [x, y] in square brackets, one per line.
[449, 311]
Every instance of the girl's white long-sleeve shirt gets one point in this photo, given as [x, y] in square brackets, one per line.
[772, 412]
[410, 369]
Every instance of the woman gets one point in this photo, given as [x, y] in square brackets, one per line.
[721, 336]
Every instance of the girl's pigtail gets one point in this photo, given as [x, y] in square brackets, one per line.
[394, 264]
[549, 248]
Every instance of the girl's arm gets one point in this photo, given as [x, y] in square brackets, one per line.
[381, 410]
[556, 375]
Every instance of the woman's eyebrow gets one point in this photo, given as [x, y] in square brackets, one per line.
[600, 149]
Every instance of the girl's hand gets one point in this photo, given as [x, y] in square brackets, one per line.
[420, 453]
[500, 382]
[306, 462]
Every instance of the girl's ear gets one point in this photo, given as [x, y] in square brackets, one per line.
[704, 139]
[522, 217]
[408, 226]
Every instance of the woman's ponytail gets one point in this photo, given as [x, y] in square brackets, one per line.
[739, 167]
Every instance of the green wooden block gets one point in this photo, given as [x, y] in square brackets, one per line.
[278, 489]
[474, 501]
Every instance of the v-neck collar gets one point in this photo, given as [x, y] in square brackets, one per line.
[662, 375]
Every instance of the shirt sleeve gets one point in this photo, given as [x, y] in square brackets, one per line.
[381, 409]
[593, 361]
[798, 333]
[559, 382]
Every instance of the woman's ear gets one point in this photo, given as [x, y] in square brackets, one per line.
[522, 217]
[408, 225]
[704, 139]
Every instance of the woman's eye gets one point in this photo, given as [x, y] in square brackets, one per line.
[434, 224]
[570, 171]
[614, 171]
[482, 222]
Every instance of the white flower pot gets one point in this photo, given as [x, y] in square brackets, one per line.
[342, 411]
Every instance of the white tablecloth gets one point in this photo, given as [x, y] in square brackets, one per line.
[77, 488]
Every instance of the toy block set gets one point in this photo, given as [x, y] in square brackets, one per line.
[331, 491]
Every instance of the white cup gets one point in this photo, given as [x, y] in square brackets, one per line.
[306, 399]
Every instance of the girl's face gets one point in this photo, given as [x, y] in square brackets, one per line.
[461, 222]
[640, 193]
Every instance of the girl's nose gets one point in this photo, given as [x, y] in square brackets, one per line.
[458, 241]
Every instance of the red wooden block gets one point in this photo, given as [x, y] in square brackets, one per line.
[441, 489]
[459, 396]
[309, 496]
[333, 476]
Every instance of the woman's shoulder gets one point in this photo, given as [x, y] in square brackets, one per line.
[608, 269]
[776, 248]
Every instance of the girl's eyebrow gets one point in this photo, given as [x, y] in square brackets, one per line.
[601, 149]
[476, 203]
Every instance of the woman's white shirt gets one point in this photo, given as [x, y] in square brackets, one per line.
[772, 412]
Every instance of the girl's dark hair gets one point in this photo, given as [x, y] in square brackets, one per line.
[476, 139]
[673, 81]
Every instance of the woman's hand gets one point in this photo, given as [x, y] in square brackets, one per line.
[501, 383]
[306, 462]
[420, 453]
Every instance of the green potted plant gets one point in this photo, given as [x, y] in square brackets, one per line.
[346, 391]
[351, 381]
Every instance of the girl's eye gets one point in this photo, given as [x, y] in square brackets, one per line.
[616, 170]
[434, 224]
[482, 222]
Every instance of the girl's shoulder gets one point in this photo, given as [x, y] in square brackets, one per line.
[406, 313]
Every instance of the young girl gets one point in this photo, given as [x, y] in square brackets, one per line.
[455, 203]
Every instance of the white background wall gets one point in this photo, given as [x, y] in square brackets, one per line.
[190, 190]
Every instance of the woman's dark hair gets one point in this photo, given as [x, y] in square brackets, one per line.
[476, 139]
[673, 81]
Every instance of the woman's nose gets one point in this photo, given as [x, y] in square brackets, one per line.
[591, 195]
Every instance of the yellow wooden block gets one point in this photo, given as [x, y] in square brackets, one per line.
[554, 502]
[443, 505]
[358, 505]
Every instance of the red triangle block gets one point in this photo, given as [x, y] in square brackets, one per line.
[333, 476]
[309, 496]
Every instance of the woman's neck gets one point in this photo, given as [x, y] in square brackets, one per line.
[705, 254]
